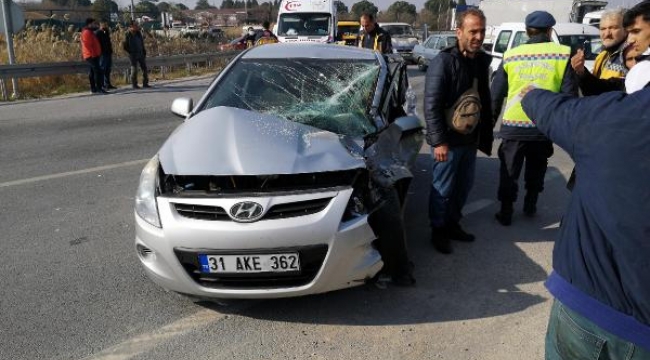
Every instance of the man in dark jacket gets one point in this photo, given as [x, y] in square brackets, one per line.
[106, 59]
[544, 64]
[373, 36]
[449, 75]
[601, 272]
[134, 46]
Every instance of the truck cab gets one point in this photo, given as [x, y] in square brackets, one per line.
[403, 39]
[576, 36]
[307, 21]
[348, 31]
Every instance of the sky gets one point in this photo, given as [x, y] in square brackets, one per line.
[381, 4]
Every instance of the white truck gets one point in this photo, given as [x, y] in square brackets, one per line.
[306, 21]
[576, 36]
[403, 39]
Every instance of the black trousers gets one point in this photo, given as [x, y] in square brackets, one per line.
[512, 154]
[134, 71]
[95, 75]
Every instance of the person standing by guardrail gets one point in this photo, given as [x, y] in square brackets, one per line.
[134, 46]
[91, 51]
[106, 59]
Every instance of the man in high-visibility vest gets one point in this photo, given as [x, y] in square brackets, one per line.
[542, 64]
[373, 36]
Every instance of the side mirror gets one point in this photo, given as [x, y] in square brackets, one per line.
[182, 107]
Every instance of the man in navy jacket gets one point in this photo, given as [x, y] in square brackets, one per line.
[601, 261]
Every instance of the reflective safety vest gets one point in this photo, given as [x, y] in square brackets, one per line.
[541, 65]
[610, 65]
[376, 46]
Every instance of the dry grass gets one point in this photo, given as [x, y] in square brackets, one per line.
[54, 45]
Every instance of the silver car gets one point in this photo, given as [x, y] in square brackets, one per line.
[267, 187]
[426, 51]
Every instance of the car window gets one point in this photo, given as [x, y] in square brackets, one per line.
[348, 30]
[432, 42]
[442, 43]
[502, 41]
[591, 44]
[452, 40]
[333, 95]
[304, 24]
[399, 30]
[520, 38]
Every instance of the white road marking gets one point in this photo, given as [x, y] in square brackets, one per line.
[145, 342]
[71, 173]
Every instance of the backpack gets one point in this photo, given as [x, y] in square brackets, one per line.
[464, 116]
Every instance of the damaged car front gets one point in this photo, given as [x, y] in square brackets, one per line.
[267, 187]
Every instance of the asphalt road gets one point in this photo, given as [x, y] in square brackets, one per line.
[72, 287]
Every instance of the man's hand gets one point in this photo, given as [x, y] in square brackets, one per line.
[578, 62]
[440, 152]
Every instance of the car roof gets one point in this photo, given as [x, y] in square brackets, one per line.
[349, 22]
[560, 28]
[392, 24]
[302, 50]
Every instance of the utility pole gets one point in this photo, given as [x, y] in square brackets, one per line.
[132, 11]
[9, 36]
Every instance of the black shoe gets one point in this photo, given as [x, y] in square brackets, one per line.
[102, 91]
[504, 217]
[455, 232]
[136, 87]
[111, 87]
[530, 204]
[146, 86]
[440, 241]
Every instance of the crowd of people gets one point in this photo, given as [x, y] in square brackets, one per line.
[601, 273]
[97, 51]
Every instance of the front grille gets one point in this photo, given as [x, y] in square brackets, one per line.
[301, 208]
[311, 260]
[279, 211]
[202, 212]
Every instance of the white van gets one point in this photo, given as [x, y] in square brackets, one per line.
[306, 21]
[576, 36]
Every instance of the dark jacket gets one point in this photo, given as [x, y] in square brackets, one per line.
[134, 45]
[104, 37]
[384, 42]
[602, 257]
[448, 76]
[500, 92]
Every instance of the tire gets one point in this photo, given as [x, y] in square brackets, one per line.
[422, 66]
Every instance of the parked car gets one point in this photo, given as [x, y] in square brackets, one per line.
[426, 51]
[267, 188]
[403, 39]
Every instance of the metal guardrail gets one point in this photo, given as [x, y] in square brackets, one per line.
[77, 67]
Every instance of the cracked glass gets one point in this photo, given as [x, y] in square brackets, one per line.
[331, 95]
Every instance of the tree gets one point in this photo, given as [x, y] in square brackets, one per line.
[145, 7]
[181, 6]
[362, 7]
[341, 8]
[441, 10]
[228, 4]
[402, 11]
[163, 6]
[102, 9]
[203, 5]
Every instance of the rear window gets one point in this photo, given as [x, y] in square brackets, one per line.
[591, 44]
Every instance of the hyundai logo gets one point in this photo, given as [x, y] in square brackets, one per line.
[246, 211]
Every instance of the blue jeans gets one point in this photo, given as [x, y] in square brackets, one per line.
[451, 184]
[571, 336]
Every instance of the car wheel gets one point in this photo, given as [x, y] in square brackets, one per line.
[422, 65]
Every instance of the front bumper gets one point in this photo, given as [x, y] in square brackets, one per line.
[333, 254]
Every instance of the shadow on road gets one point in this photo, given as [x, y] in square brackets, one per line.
[479, 280]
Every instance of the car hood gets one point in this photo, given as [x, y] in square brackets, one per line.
[231, 141]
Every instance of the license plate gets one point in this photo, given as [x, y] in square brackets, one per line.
[249, 263]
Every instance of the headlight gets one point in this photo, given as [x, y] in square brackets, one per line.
[145, 200]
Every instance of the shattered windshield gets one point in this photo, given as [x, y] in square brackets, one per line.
[332, 95]
[399, 30]
[304, 24]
